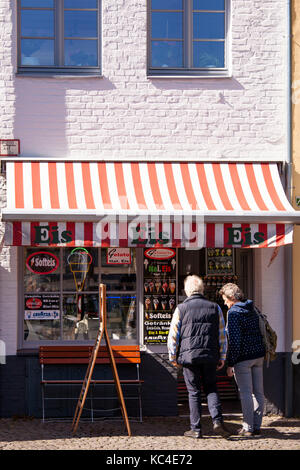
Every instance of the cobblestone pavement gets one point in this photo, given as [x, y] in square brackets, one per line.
[159, 433]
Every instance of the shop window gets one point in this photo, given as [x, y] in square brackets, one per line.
[188, 37]
[59, 36]
[61, 301]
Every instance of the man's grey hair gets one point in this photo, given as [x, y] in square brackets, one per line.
[232, 292]
[193, 285]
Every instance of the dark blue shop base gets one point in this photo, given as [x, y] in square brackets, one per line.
[20, 389]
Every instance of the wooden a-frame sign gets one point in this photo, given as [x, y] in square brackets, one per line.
[90, 369]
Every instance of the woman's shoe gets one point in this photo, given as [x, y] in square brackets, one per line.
[193, 434]
[244, 433]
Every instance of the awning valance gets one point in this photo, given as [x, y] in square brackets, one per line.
[182, 204]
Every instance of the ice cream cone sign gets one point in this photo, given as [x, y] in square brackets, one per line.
[79, 261]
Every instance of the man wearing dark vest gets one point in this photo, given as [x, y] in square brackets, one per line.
[197, 341]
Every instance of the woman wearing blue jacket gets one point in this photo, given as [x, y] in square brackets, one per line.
[245, 356]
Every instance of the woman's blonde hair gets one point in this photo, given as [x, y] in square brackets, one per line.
[193, 285]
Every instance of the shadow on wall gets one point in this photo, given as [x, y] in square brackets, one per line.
[196, 84]
[47, 110]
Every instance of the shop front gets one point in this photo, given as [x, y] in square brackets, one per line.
[143, 228]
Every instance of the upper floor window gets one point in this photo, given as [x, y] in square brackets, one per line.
[58, 36]
[188, 37]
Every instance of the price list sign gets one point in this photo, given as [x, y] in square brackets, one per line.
[159, 293]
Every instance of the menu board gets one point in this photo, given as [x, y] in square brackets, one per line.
[159, 293]
[219, 261]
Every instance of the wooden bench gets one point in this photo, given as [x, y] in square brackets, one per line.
[80, 355]
[226, 387]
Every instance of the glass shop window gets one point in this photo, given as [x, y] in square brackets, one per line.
[61, 300]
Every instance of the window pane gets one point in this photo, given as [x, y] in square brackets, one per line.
[209, 26]
[81, 53]
[76, 274]
[81, 3]
[121, 316]
[208, 54]
[80, 24]
[37, 23]
[80, 316]
[167, 54]
[166, 4]
[37, 3]
[41, 317]
[118, 277]
[167, 25]
[209, 5]
[37, 330]
[37, 52]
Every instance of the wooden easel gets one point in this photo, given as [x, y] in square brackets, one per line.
[90, 369]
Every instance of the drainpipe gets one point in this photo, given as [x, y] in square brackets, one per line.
[288, 259]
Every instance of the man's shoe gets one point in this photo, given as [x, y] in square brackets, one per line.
[221, 430]
[193, 434]
[256, 432]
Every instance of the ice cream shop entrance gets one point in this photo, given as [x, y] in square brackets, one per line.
[216, 266]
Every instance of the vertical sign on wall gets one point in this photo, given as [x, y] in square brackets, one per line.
[159, 293]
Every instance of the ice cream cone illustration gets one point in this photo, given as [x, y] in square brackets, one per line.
[156, 303]
[79, 261]
[172, 286]
[165, 287]
[146, 286]
[164, 304]
[151, 286]
[171, 303]
[147, 303]
[157, 286]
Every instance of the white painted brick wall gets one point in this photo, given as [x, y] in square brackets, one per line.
[124, 115]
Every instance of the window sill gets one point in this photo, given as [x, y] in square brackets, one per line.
[57, 76]
[178, 77]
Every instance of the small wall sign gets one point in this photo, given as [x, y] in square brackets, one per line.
[9, 147]
[42, 262]
[118, 256]
[298, 201]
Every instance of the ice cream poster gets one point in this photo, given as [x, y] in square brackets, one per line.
[159, 285]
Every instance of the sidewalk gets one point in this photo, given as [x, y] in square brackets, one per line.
[159, 433]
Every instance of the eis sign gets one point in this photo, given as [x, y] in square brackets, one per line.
[234, 236]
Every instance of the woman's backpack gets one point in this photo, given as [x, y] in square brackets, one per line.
[269, 336]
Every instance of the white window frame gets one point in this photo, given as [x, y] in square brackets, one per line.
[187, 71]
[59, 68]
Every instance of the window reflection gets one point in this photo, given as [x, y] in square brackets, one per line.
[209, 4]
[80, 316]
[209, 54]
[80, 24]
[81, 53]
[37, 23]
[167, 54]
[167, 25]
[121, 316]
[118, 277]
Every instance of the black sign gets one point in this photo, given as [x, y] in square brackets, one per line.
[159, 293]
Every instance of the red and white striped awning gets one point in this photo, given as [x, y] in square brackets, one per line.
[93, 203]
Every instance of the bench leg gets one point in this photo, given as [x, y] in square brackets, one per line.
[43, 403]
[92, 403]
[140, 405]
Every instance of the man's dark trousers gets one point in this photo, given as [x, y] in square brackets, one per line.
[194, 375]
